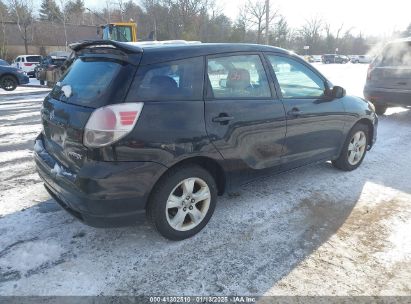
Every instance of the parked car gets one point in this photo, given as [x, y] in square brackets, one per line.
[50, 65]
[27, 63]
[11, 77]
[317, 58]
[194, 122]
[308, 58]
[334, 58]
[389, 77]
[361, 59]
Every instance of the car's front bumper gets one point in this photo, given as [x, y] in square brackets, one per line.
[100, 194]
[23, 79]
[390, 97]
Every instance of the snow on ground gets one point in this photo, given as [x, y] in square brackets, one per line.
[312, 231]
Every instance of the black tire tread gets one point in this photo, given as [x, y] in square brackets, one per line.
[342, 161]
[158, 195]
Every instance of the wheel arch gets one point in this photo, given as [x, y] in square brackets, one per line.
[207, 163]
[369, 124]
[11, 75]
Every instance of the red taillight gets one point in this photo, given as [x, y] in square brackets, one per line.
[127, 118]
[108, 124]
[28, 64]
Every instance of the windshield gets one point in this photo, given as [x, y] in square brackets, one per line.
[87, 82]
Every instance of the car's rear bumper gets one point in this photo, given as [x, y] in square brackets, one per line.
[100, 194]
[390, 97]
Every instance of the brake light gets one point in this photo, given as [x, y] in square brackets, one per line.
[109, 124]
[27, 64]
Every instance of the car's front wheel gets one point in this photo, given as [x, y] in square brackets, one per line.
[354, 149]
[182, 202]
[8, 83]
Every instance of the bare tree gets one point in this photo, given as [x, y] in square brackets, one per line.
[311, 32]
[22, 13]
[255, 13]
[3, 37]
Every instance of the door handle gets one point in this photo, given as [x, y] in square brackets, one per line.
[222, 118]
[295, 112]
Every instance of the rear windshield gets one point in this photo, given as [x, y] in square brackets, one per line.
[33, 58]
[58, 61]
[94, 82]
[397, 54]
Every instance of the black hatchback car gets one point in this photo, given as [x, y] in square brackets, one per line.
[133, 129]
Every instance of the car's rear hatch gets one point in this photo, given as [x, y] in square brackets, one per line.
[101, 75]
[393, 69]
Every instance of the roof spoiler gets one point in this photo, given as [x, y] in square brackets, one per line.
[127, 48]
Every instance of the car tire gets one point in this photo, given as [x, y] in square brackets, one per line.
[354, 149]
[182, 202]
[380, 109]
[8, 83]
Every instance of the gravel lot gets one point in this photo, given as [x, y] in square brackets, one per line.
[312, 231]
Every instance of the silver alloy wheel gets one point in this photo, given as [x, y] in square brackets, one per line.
[356, 148]
[188, 204]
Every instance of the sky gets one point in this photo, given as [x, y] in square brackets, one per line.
[368, 17]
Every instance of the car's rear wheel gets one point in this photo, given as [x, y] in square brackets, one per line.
[8, 83]
[354, 149]
[380, 109]
[182, 202]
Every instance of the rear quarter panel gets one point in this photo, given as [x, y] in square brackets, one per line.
[167, 132]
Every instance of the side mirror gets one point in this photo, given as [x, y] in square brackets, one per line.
[338, 92]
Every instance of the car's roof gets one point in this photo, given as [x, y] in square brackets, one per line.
[160, 51]
[167, 52]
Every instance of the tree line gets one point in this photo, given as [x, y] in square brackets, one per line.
[201, 20]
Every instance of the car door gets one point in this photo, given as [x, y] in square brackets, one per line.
[315, 123]
[244, 119]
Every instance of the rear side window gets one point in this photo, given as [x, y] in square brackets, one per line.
[397, 54]
[33, 58]
[240, 76]
[173, 80]
[94, 82]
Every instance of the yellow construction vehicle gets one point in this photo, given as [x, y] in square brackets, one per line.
[119, 31]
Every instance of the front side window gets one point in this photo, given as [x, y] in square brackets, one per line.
[172, 80]
[240, 76]
[295, 79]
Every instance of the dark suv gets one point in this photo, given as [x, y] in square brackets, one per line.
[389, 76]
[164, 129]
[334, 58]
